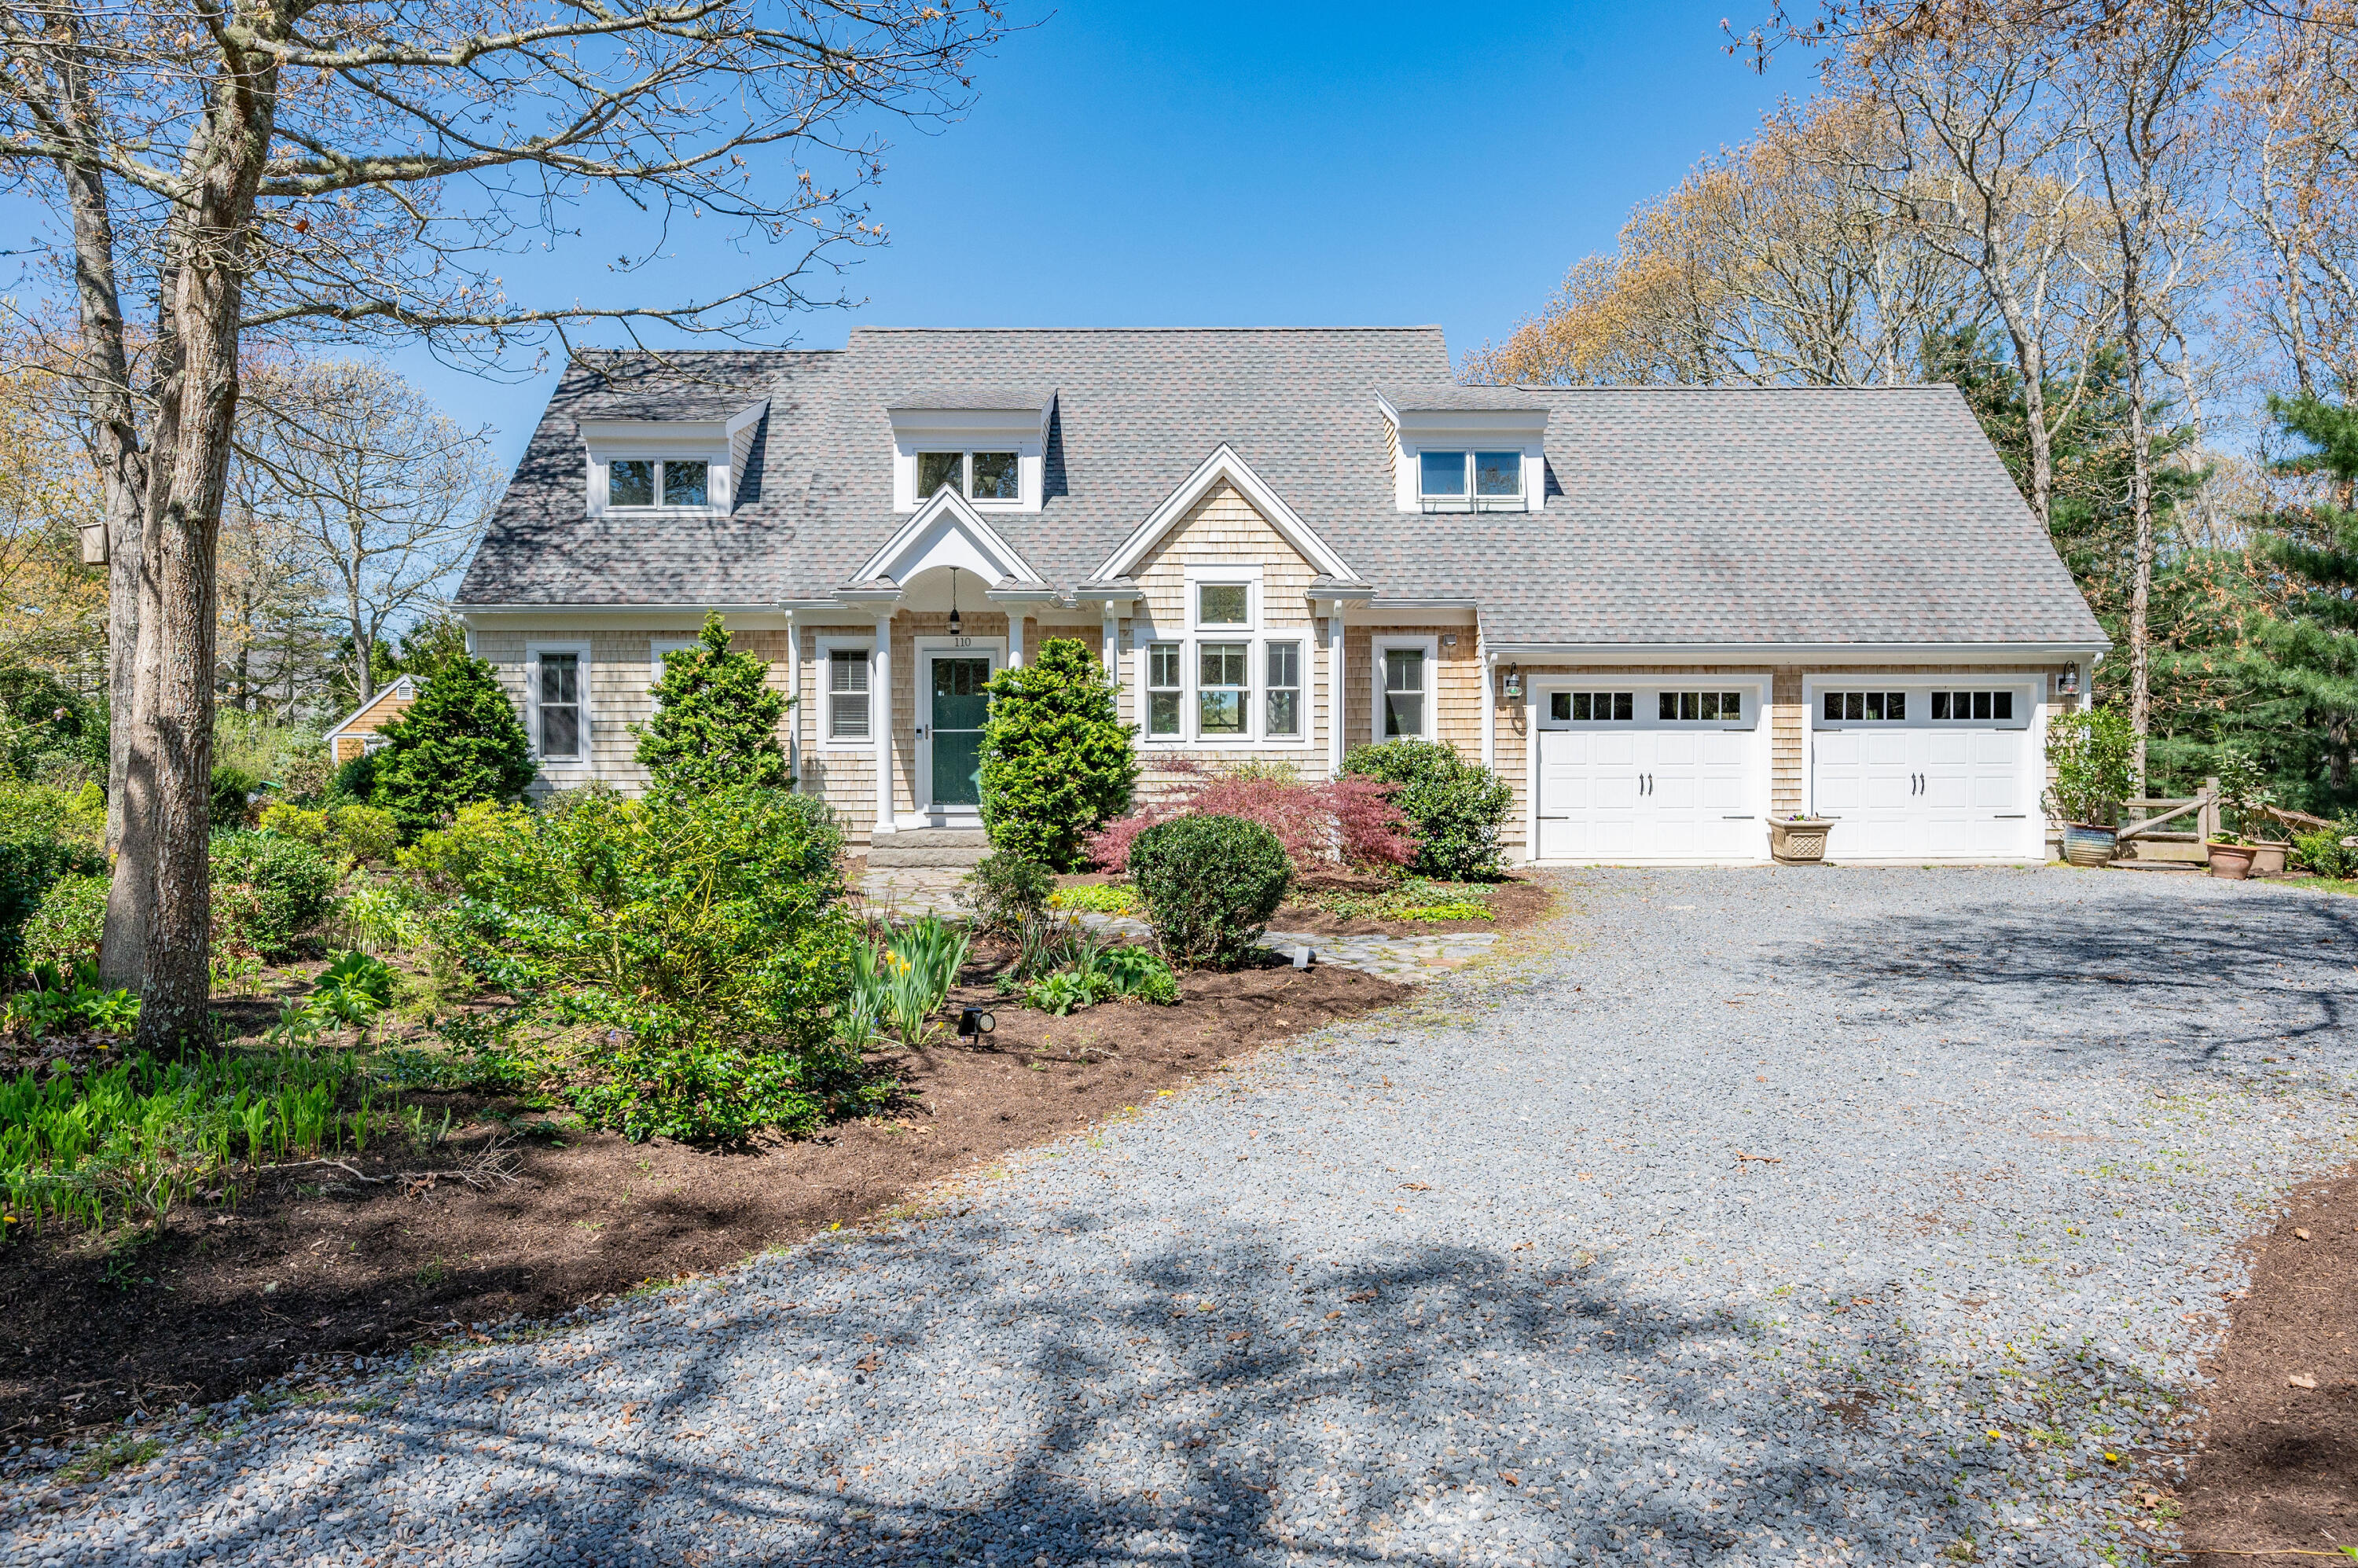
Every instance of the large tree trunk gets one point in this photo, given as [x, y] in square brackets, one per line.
[211, 238]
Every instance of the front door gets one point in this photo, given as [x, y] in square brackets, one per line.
[959, 706]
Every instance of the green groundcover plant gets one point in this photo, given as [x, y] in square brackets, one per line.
[695, 941]
[1057, 761]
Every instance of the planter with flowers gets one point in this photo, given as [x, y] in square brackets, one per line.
[1799, 840]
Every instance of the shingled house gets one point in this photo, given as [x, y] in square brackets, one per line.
[1663, 614]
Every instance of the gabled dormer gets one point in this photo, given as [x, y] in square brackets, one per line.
[987, 446]
[669, 467]
[1466, 449]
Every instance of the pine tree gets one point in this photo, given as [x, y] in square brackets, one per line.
[716, 721]
[2304, 657]
[458, 743]
[1056, 758]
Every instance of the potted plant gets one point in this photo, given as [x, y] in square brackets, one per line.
[2090, 754]
[2243, 789]
[1799, 840]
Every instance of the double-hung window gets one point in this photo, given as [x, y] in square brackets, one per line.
[1221, 678]
[1165, 684]
[1222, 695]
[558, 699]
[1282, 691]
[847, 694]
[1404, 692]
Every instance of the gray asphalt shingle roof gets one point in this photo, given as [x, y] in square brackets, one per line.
[1704, 516]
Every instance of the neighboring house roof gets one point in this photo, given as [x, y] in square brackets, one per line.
[365, 719]
[1673, 517]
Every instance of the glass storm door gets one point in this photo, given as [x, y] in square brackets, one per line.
[959, 708]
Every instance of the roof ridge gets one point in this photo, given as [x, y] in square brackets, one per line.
[1111, 331]
[1707, 387]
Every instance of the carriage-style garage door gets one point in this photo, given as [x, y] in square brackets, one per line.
[1918, 771]
[1651, 773]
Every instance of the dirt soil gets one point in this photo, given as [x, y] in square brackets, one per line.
[2278, 1471]
[398, 1246]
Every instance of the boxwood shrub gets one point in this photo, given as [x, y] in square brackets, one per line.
[1455, 806]
[268, 888]
[1210, 884]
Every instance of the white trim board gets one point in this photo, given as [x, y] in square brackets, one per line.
[964, 540]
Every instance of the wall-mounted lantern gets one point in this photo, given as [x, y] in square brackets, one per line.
[1514, 683]
[2068, 683]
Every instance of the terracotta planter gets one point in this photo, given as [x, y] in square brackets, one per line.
[2232, 861]
[2085, 844]
[1800, 843]
[2269, 858]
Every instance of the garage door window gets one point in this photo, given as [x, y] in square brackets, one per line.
[1972, 705]
[1591, 707]
[1699, 706]
[1868, 708]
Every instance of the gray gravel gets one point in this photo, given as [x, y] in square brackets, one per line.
[1488, 1281]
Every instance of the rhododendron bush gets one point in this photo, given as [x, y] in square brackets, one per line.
[1345, 822]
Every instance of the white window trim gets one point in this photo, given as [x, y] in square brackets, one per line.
[1144, 635]
[719, 481]
[656, 648]
[532, 656]
[1223, 575]
[822, 666]
[1379, 647]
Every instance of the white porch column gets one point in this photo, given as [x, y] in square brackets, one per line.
[1019, 626]
[1490, 707]
[1109, 643]
[1335, 688]
[882, 700]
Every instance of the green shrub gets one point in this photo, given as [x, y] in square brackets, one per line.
[303, 771]
[1454, 806]
[1057, 761]
[28, 868]
[716, 719]
[268, 890]
[65, 927]
[354, 780]
[363, 832]
[2093, 754]
[460, 742]
[1003, 891]
[294, 822]
[44, 811]
[232, 795]
[689, 931]
[1210, 884]
[2323, 852]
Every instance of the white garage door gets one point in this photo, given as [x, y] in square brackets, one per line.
[1919, 773]
[1651, 772]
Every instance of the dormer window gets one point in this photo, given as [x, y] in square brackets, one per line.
[644, 482]
[1491, 478]
[980, 476]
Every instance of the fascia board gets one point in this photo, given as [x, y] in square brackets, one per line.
[1224, 464]
[1789, 652]
[1446, 424]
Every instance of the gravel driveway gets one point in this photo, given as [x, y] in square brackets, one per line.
[1749, 1217]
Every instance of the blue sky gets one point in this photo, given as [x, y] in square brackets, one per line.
[1218, 163]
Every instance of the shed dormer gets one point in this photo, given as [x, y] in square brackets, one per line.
[1466, 449]
[989, 446]
[669, 467]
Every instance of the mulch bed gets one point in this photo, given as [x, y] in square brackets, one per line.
[326, 1260]
[2278, 1468]
[1515, 902]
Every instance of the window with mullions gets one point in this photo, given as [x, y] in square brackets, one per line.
[1164, 681]
[847, 694]
[1283, 691]
[1486, 476]
[1699, 706]
[1220, 690]
[1403, 692]
[1970, 705]
[1591, 707]
[1867, 706]
[980, 476]
[560, 706]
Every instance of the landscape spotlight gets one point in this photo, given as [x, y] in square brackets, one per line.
[974, 1021]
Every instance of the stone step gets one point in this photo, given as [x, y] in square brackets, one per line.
[2181, 853]
[928, 848]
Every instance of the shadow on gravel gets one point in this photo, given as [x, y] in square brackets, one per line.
[1338, 1413]
[2191, 979]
